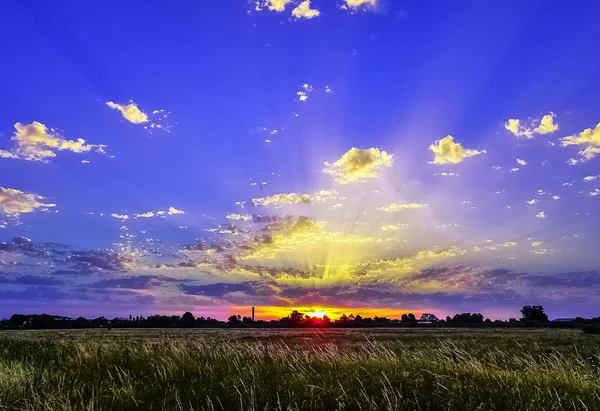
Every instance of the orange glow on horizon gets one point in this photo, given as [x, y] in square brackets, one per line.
[275, 313]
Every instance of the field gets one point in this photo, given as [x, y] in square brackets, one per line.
[375, 369]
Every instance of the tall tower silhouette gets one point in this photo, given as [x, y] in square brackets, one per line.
[252, 313]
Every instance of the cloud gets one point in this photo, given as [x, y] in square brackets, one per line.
[521, 162]
[278, 5]
[546, 125]
[536, 244]
[588, 136]
[448, 152]
[278, 199]
[532, 201]
[130, 112]
[35, 143]
[14, 202]
[104, 260]
[393, 227]
[357, 165]
[397, 207]
[149, 214]
[120, 216]
[541, 214]
[239, 217]
[360, 3]
[173, 211]
[303, 10]
[514, 126]
[510, 244]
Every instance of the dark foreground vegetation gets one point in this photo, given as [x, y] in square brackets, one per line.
[300, 369]
[532, 316]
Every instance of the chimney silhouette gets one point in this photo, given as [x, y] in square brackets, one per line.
[252, 313]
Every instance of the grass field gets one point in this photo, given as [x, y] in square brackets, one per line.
[375, 369]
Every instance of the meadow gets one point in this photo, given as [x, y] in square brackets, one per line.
[305, 369]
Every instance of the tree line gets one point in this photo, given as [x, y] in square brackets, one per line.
[531, 316]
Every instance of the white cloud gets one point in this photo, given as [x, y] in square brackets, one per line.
[521, 162]
[448, 152]
[541, 214]
[120, 216]
[15, 202]
[532, 202]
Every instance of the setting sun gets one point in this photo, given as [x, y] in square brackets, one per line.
[318, 313]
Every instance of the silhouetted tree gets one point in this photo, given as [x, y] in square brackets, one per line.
[534, 313]
[187, 320]
[429, 317]
[234, 319]
[296, 316]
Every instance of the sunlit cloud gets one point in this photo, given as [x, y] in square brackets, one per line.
[130, 112]
[357, 165]
[360, 3]
[546, 125]
[524, 128]
[174, 211]
[394, 227]
[398, 207]
[303, 10]
[448, 152]
[278, 5]
[239, 217]
[588, 136]
[541, 214]
[35, 142]
[14, 202]
[278, 199]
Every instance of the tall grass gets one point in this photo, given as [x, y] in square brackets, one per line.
[255, 370]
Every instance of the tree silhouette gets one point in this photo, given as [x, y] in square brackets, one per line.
[187, 320]
[534, 313]
[296, 316]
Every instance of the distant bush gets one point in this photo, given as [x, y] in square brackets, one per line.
[591, 329]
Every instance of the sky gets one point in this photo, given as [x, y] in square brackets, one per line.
[372, 157]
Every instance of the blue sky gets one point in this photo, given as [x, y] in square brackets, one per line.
[243, 101]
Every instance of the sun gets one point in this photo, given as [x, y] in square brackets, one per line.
[317, 313]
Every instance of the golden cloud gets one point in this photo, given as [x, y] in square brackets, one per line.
[35, 143]
[278, 5]
[14, 202]
[394, 227]
[448, 152]
[397, 207]
[359, 3]
[589, 137]
[358, 165]
[278, 199]
[131, 112]
[302, 234]
[547, 125]
[303, 10]
[173, 211]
